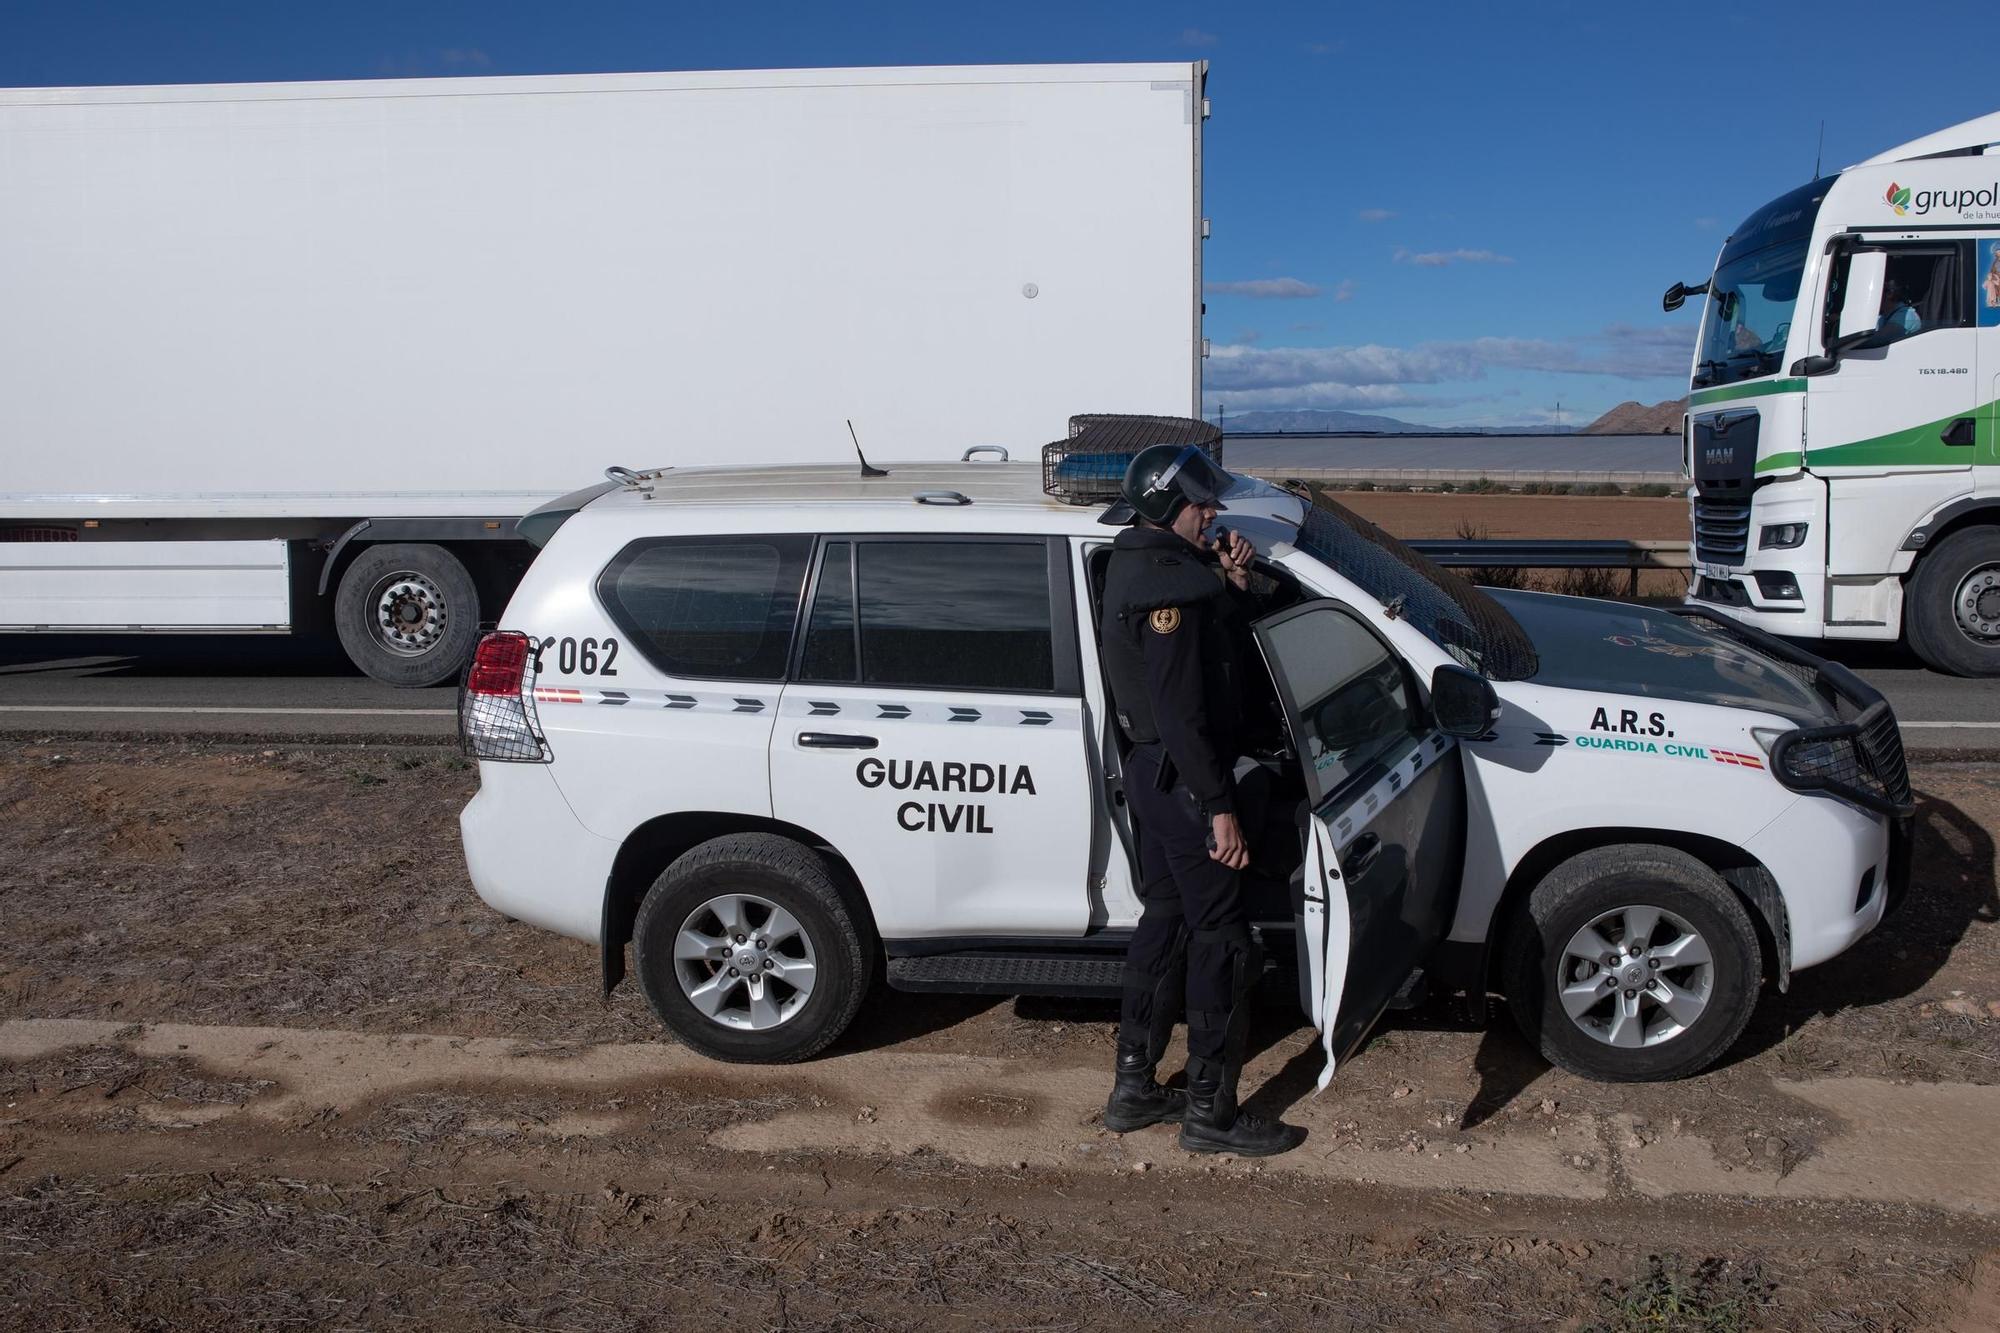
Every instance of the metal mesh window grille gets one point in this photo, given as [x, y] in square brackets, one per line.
[1447, 609]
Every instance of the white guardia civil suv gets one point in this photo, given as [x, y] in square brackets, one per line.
[786, 731]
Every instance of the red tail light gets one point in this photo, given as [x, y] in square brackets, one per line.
[496, 709]
[498, 664]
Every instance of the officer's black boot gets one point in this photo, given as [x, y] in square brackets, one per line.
[1136, 1100]
[1215, 1123]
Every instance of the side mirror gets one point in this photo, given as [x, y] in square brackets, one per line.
[1677, 295]
[1463, 702]
[1861, 302]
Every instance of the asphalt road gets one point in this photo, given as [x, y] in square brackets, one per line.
[281, 688]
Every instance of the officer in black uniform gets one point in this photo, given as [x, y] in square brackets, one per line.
[1176, 606]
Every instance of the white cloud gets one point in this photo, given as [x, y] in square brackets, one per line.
[1442, 258]
[1196, 37]
[1282, 289]
[1376, 214]
[1345, 291]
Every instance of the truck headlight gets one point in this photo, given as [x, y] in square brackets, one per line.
[1781, 536]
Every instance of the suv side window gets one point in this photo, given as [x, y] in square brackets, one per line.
[974, 615]
[1353, 696]
[709, 607]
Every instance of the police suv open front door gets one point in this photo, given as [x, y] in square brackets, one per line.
[1387, 816]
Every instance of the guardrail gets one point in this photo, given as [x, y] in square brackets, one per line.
[1505, 554]
[1432, 476]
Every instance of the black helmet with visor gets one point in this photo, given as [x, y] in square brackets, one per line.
[1162, 479]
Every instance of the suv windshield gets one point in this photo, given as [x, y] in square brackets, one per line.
[1749, 315]
[1450, 612]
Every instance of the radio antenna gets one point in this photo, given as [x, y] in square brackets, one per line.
[866, 470]
[1819, 152]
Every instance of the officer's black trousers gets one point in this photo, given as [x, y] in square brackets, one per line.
[1194, 923]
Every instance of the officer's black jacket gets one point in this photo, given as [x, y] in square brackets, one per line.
[1172, 639]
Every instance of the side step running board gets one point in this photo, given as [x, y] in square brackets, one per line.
[1012, 972]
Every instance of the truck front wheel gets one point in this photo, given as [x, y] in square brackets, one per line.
[1952, 613]
[407, 613]
[1632, 963]
[747, 951]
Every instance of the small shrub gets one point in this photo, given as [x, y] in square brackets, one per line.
[1362, 486]
[1479, 486]
[1713, 1296]
[1652, 490]
[1599, 488]
[1590, 582]
[1446, 488]
[1559, 488]
[1398, 487]
[1532, 488]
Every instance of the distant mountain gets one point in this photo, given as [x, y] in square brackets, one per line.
[1326, 421]
[1638, 419]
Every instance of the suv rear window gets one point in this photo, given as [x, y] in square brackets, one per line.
[709, 607]
[972, 615]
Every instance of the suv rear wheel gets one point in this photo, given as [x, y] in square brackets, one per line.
[1633, 963]
[748, 953]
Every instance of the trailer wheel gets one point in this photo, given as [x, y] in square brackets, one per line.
[1632, 963]
[747, 951]
[1952, 615]
[407, 613]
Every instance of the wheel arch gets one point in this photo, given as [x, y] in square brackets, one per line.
[659, 842]
[1967, 512]
[1751, 880]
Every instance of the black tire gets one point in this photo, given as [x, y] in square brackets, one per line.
[779, 871]
[1586, 887]
[441, 587]
[1930, 619]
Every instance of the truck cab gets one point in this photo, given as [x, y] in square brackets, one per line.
[774, 732]
[1842, 437]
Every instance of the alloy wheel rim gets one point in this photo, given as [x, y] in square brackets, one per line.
[744, 962]
[1635, 976]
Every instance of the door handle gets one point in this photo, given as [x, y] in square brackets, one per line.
[835, 740]
[1361, 854]
[1961, 431]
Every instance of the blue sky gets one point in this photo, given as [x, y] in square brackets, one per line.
[1450, 213]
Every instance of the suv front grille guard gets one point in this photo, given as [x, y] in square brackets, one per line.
[1859, 758]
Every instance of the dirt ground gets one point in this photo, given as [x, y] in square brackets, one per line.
[266, 1060]
[1523, 517]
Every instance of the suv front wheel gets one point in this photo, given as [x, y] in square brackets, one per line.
[747, 951]
[1632, 963]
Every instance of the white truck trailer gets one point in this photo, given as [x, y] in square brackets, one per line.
[1844, 414]
[275, 353]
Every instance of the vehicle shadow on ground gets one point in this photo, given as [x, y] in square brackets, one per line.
[1951, 889]
[171, 655]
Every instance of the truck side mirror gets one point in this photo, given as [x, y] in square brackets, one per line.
[1463, 702]
[1861, 304]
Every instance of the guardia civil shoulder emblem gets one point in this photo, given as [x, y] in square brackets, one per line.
[1166, 620]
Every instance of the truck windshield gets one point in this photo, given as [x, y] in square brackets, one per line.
[1750, 305]
[1755, 287]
